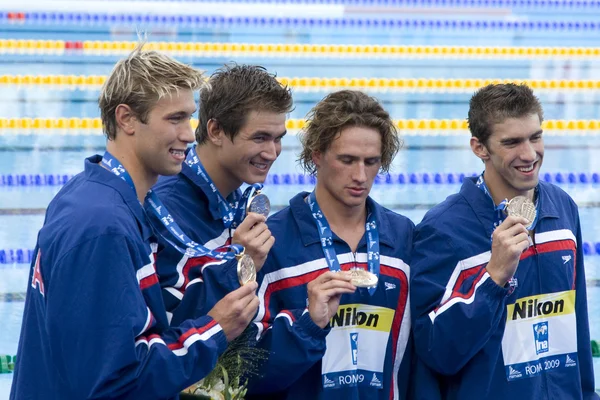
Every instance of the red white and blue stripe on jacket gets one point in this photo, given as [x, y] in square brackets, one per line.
[203, 280]
[284, 326]
[467, 329]
[94, 324]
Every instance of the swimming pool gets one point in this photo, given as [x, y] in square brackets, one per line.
[426, 158]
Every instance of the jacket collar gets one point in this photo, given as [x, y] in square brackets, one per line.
[483, 205]
[95, 173]
[203, 188]
[308, 228]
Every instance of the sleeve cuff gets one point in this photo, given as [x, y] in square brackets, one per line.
[312, 329]
[495, 290]
[219, 338]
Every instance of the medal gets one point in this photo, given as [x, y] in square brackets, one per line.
[259, 203]
[521, 206]
[246, 270]
[362, 278]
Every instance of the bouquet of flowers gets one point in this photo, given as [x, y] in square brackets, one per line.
[228, 380]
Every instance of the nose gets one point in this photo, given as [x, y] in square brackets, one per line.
[186, 134]
[359, 174]
[271, 150]
[528, 152]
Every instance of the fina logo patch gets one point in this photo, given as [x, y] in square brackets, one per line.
[513, 373]
[354, 347]
[540, 333]
[570, 362]
[327, 382]
[375, 381]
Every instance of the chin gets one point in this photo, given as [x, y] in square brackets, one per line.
[170, 171]
[355, 202]
[254, 179]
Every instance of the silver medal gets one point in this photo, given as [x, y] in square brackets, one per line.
[259, 203]
[246, 270]
[521, 206]
[362, 278]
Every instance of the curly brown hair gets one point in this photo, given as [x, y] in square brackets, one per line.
[342, 109]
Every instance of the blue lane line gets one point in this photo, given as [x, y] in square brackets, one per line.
[420, 178]
[75, 18]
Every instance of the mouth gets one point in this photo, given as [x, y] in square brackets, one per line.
[264, 167]
[527, 169]
[178, 154]
[357, 191]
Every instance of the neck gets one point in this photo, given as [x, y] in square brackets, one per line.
[142, 178]
[209, 157]
[338, 215]
[500, 191]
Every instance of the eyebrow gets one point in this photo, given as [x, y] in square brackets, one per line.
[350, 156]
[180, 113]
[519, 139]
[265, 133]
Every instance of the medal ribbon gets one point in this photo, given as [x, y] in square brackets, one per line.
[232, 209]
[327, 240]
[190, 248]
[499, 209]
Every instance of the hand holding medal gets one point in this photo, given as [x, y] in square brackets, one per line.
[511, 238]
[254, 235]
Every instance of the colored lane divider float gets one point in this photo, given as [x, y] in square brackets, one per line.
[571, 5]
[210, 49]
[220, 21]
[408, 127]
[421, 178]
[94, 82]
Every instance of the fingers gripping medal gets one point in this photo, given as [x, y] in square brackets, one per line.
[246, 270]
[521, 206]
[259, 203]
[362, 278]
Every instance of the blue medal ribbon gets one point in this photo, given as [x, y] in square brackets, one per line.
[232, 209]
[190, 248]
[327, 239]
[500, 217]
[499, 209]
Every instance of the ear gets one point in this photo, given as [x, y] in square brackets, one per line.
[479, 149]
[316, 158]
[125, 119]
[215, 132]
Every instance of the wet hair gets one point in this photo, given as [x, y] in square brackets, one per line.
[495, 103]
[236, 90]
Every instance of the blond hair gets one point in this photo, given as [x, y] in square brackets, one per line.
[140, 80]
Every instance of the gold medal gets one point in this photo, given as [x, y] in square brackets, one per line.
[259, 203]
[521, 206]
[362, 278]
[246, 270]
